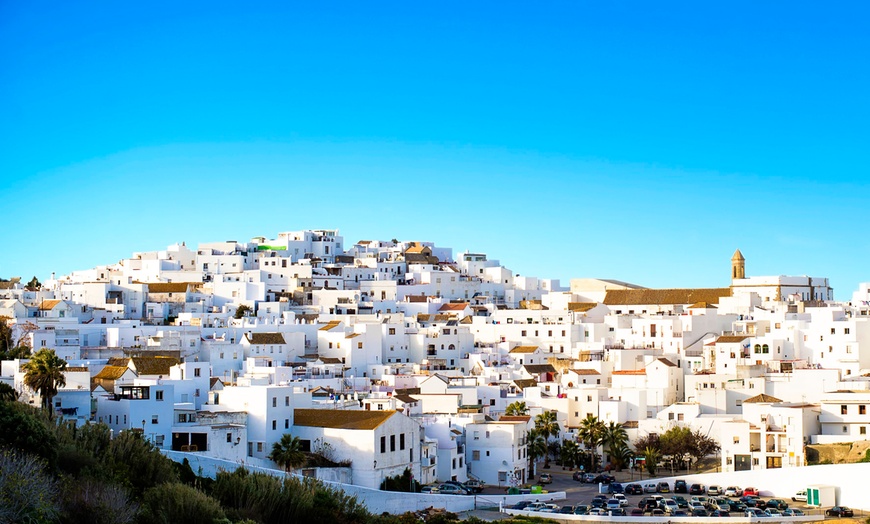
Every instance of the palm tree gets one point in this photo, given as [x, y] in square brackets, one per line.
[516, 408]
[536, 447]
[44, 374]
[590, 434]
[621, 456]
[548, 425]
[569, 454]
[614, 438]
[651, 459]
[287, 452]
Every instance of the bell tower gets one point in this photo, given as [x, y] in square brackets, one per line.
[738, 266]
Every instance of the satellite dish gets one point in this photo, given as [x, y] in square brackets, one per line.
[504, 463]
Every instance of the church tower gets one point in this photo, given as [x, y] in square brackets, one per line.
[738, 266]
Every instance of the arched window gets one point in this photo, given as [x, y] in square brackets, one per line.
[765, 349]
[758, 348]
[451, 346]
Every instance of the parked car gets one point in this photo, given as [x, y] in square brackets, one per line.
[549, 508]
[751, 491]
[613, 504]
[680, 513]
[777, 504]
[658, 512]
[618, 512]
[670, 506]
[650, 487]
[432, 489]
[735, 506]
[839, 511]
[680, 486]
[719, 513]
[700, 512]
[733, 491]
[598, 503]
[635, 512]
[681, 501]
[696, 489]
[578, 476]
[523, 504]
[545, 478]
[634, 489]
[647, 504]
[800, 496]
[663, 487]
[567, 510]
[535, 506]
[754, 513]
[603, 479]
[772, 512]
[615, 487]
[792, 513]
[475, 486]
[589, 477]
[749, 500]
[714, 490]
[452, 489]
[623, 502]
[581, 509]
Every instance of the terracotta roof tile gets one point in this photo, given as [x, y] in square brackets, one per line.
[730, 339]
[762, 398]
[340, 418]
[331, 324]
[111, 372]
[453, 306]
[625, 297]
[153, 365]
[581, 307]
[524, 349]
[265, 338]
[171, 287]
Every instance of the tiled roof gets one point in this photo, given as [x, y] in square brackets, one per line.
[153, 365]
[417, 298]
[71, 369]
[170, 287]
[585, 371]
[213, 381]
[630, 372]
[265, 338]
[453, 307]
[514, 418]
[730, 339]
[407, 399]
[581, 307]
[535, 369]
[329, 360]
[702, 305]
[762, 398]
[331, 324]
[353, 335]
[47, 305]
[111, 372]
[625, 297]
[340, 418]
[467, 320]
[523, 383]
[667, 362]
[524, 349]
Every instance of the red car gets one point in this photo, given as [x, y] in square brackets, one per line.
[751, 491]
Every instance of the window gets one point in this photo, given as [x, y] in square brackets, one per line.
[402, 441]
[670, 416]
[487, 434]
[274, 425]
[154, 419]
[259, 447]
[680, 416]
[229, 437]
[274, 402]
[588, 398]
[359, 345]
[845, 429]
[846, 331]
[844, 409]
[475, 455]
[383, 444]
[286, 401]
[862, 409]
[862, 430]
[523, 333]
[158, 395]
[737, 440]
[286, 423]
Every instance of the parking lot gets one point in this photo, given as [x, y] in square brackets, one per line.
[583, 493]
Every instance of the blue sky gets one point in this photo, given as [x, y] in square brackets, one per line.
[629, 140]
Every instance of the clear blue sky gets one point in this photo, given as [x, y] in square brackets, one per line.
[630, 140]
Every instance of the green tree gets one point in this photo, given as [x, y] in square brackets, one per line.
[615, 441]
[33, 285]
[134, 463]
[90, 501]
[287, 452]
[174, 502]
[569, 454]
[702, 446]
[547, 425]
[27, 429]
[677, 443]
[516, 408]
[651, 457]
[404, 483]
[7, 393]
[590, 434]
[44, 374]
[242, 311]
[536, 447]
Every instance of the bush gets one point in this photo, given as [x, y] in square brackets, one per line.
[173, 502]
[94, 502]
[27, 492]
[27, 429]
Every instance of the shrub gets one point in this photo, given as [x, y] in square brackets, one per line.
[173, 502]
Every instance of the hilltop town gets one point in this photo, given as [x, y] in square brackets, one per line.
[384, 355]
